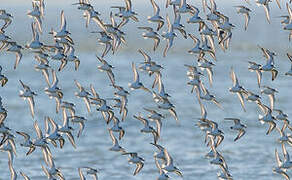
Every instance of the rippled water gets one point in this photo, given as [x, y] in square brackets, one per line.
[252, 157]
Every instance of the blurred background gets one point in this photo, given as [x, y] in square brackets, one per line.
[252, 157]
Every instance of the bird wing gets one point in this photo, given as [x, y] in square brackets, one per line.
[63, 64]
[233, 77]
[272, 100]
[139, 166]
[169, 25]
[157, 164]
[24, 86]
[93, 91]
[203, 111]
[99, 23]
[87, 103]
[158, 125]
[46, 74]
[53, 123]
[289, 12]
[78, 85]
[46, 171]
[150, 29]
[31, 105]
[39, 24]
[168, 46]
[155, 7]
[266, 55]
[247, 18]
[31, 149]
[146, 57]
[267, 11]
[203, 88]
[63, 21]
[38, 130]
[240, 97]
[87, 14]
[194, 38]
[217, 103]
[114, 24]
[114, 139]
[55, 79]
[128, 5]
[274, 74]
[81, 174]
[285, 175]
[167, 156]
[271, 128]
[160, 84]
[173, 113]
[160, 24]
[210, 75]
[156, 43]
[71, 139]
[136, 75]
[233, 119]
[33, 31]
[286, 154]
[240, 134]
[278, 160]
[111, 76]
[143, 120]
[12, 171]
[26, 136]
[24, 176]
[81, 124]
[259, 77]
[290, 57]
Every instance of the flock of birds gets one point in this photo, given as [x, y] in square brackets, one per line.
[215, 26]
